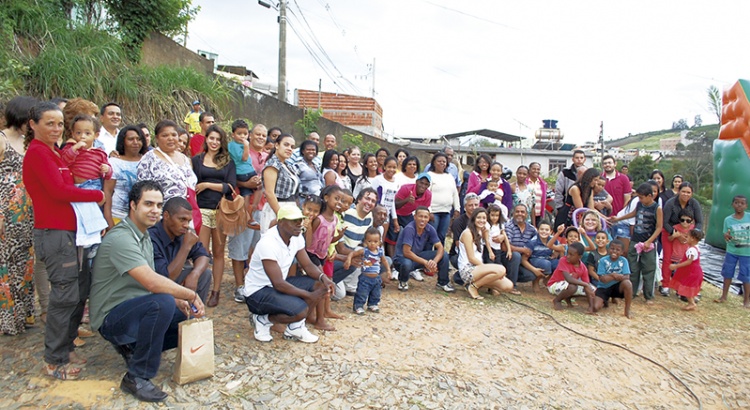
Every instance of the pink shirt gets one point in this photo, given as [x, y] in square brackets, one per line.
[259, 162]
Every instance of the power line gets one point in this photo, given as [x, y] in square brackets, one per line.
[486, 20]
[310, 32]
[315, 57]
[320, 46]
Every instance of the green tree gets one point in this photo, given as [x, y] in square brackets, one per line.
[137, 18]
[714, 102]
[309, 121]
[640, 169]
[356, 140]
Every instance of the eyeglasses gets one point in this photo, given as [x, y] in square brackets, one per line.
[687, 220]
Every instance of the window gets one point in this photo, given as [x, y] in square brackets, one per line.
[556, 165]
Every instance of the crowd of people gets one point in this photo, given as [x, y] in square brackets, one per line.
[130, 224]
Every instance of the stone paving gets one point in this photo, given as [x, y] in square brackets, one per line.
[429, 350]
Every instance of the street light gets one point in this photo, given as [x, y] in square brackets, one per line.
[282, 46]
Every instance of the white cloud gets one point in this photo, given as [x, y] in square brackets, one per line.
[445, 67]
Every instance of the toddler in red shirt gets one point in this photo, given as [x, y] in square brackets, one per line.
[88, 166]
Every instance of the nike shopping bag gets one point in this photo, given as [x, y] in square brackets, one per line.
[195, 351]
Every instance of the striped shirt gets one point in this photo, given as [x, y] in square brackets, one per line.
[355, 228]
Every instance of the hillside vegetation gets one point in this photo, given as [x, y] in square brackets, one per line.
[46, 53]
[650, 140]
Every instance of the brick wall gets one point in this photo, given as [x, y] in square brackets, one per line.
[350, 110]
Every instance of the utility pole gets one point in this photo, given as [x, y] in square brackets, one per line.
[282, 50]
[320, 90]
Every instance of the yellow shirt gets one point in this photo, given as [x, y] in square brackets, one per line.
[192, 119]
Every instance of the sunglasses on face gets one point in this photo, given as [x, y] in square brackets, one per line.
[686, 220]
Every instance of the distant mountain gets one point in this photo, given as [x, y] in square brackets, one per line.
[650, 140]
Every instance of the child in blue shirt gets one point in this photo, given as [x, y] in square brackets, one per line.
[239, 151]
[368, 287]
[614, 278]
[543, 260]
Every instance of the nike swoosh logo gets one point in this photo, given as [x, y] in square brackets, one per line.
[195, 349]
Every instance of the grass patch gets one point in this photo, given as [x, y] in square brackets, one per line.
[46, 55]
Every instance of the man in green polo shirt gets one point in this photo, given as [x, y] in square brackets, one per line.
[132, 306]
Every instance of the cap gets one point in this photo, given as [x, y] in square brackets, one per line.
[424, 175]
[196, 102]
[290, 212]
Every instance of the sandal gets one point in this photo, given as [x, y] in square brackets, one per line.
[515, 292]
[78, 342]
[63, 371]
[473, 291]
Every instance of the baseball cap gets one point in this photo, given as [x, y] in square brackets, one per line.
[290, 212]
[424, 175]
[196, 102]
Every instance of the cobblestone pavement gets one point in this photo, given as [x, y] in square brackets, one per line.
[430, 350]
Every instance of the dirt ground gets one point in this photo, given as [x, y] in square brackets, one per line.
[429, 350]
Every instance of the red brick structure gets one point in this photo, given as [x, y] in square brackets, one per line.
[361, 113]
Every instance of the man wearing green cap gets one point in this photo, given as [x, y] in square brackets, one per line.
[271, 296]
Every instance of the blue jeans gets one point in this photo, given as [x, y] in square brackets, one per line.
[514, 271]
[269, 301]
[368, 290]
[339, 273]
[150, 324]
[546, 265]
[441, 222]
[406, 265]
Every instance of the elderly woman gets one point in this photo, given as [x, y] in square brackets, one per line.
[16, 224]
[50, 185]
[683, 200]
[280, 182]
[474, 272]
[131, 145]
[444, 195]
[169, 167]
[310, 178]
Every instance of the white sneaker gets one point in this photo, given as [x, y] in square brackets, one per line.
[298, 331]
[417, 275]
[262, 325]
[238, 296]
[394, 274]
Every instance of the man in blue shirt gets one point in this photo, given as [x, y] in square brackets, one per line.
[418, 247]
[175, 244]
[519, 234]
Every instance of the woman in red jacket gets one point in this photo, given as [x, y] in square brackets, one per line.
[50, 184]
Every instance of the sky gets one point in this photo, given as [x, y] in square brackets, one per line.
[449, 66]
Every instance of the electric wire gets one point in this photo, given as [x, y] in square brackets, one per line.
[315, 57]
[661, 366]
[317, 43]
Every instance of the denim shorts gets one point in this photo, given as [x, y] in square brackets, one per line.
[730, 262]
[621, 230]
[269, 301]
